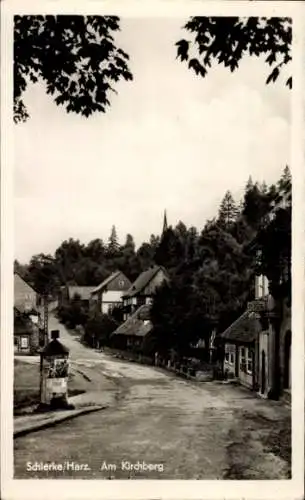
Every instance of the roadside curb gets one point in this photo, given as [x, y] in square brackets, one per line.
[50, 422]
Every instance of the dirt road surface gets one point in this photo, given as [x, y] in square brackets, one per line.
[159, 427]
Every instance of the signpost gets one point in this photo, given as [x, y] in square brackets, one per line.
[258, 305]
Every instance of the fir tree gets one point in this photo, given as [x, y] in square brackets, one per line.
[249, 185]
[113, 244]
[228, 210]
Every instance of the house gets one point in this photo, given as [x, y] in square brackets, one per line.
[240, 349]
[257, 346]
[27, 324]
[67, 293]
[27, 334]
[143, 289]
[25, 297]
[132, 333]
[108, 294]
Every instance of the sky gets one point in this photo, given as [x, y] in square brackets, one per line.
[170, 140]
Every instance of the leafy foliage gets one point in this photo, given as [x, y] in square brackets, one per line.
[74, 55]
[226, 40]
[98, 330]
[42, 274]
[274, 240]
[214, 282]
[73, 313]
[211, 272]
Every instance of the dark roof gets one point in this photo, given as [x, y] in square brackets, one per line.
[244, 330]
[138, 324]
[54, 347]
[143, 280]
[83, 291]
[106, 282]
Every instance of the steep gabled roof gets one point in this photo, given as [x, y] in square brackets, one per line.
[21, 289]
[20, 285]
[109, 280]
[138, 324]
[244, 330]
[143, 280]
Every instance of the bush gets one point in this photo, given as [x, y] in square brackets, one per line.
[73, 314]
[98, 330]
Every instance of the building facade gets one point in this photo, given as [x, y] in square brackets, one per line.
[143, 289]
[240, 350]
[108, 294]
[257, 346]
[27, 321]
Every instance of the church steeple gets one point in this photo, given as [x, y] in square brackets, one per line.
[165, 226]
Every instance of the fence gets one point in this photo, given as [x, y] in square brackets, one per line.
[204, 372]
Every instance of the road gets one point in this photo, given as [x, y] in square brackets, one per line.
[176, 428]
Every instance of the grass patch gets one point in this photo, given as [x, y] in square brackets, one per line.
[27, 384]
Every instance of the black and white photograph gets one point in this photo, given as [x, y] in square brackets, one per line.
[152, 246]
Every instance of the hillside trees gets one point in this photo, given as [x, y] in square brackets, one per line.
[211, 272]
[211, 287]
[76, 57]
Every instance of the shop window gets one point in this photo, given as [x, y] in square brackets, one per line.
[249, 361]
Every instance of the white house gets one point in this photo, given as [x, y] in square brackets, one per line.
[108, 294]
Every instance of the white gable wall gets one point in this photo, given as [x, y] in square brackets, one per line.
[110, 299]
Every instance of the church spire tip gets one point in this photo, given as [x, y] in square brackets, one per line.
[165, 226]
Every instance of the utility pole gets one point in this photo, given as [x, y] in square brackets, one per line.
[45, 318]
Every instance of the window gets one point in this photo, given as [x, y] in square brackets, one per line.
[141, 301]
[232, 358]
[227, 357]
[249, 361]
[242, 359]
[246, 360]
[24, 342]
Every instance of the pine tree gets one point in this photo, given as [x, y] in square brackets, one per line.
[113, 244]
[228, 210]
[284, 184]
[249, 185]
[256, 205]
